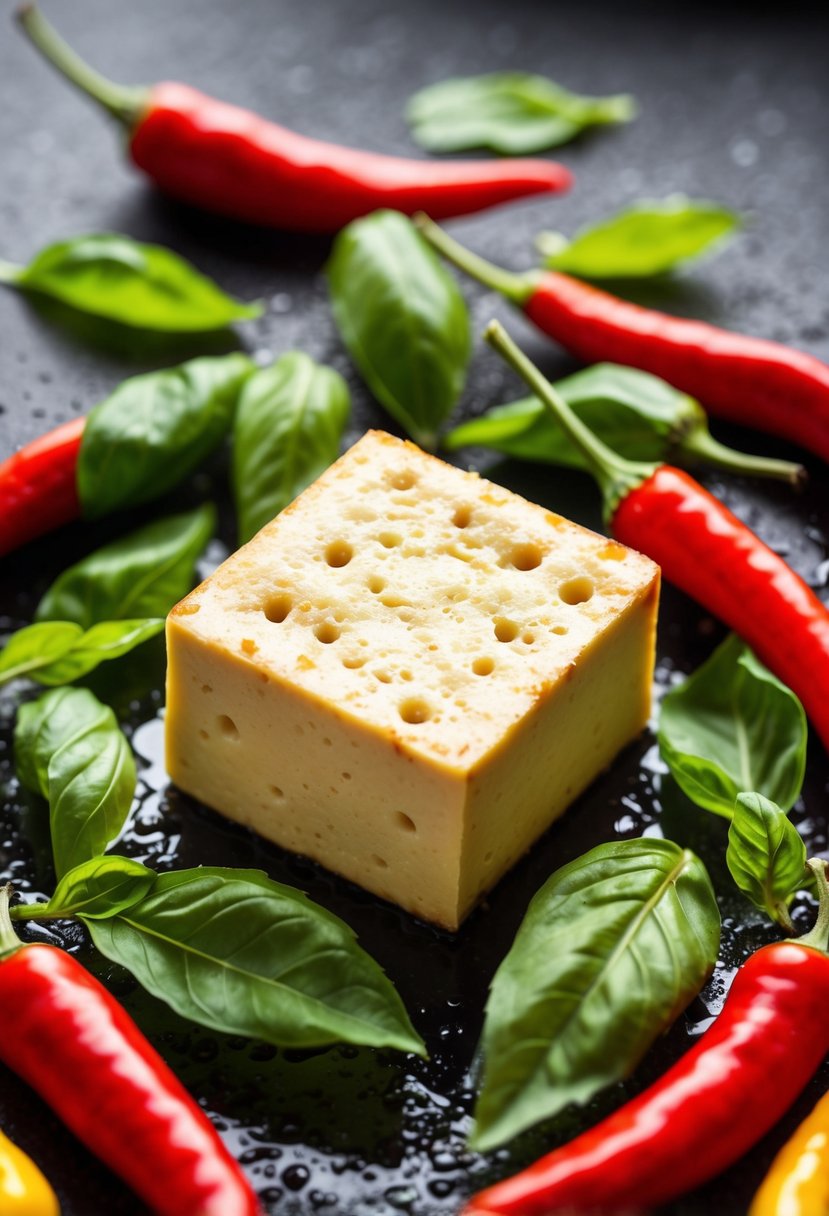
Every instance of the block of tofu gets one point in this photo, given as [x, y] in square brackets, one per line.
[408, 675]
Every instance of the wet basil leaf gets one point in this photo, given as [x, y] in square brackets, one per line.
[733, 728]
[142, 286]
[612, 949]
[514, 113]
[766, 856]
[150, 433]
[287, 431]
[403, 319]
[232, 950]
[98, 888]
[645, 239]
[141, 575]
[69, 748]
[59, 652]
[35, 647]
[636, 414]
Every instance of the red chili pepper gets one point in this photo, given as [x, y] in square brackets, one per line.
[38, 490]
[71, 1041]
[705, 550]
[755, 382]
[229, 160]
[718, 1100]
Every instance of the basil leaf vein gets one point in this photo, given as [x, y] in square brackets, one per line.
[766, 856]
[98, 888]
[288, 428]
[142, 286]
[154, 429]
[635, 413]
[732, 727]
[69, 748]
[650, 237]
[141, 575]
[59, 652]
[403, 319]
[232, 950]
[611, 950]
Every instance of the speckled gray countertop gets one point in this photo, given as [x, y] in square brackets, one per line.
[734, 107]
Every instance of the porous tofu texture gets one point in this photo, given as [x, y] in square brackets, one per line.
[408, 674]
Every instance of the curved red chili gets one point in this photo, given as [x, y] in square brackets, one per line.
[752, 381]
[229, 160]
[38, 489]
[71, 1041]
[710, 555]
[704, 1113]
[705, 550]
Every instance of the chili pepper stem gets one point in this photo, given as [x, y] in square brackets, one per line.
[616, 475]
[701, 445]
[9, 941]
[515, 287]
[123, 103]
[818, 936]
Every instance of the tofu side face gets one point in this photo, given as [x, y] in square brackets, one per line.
[408, 674]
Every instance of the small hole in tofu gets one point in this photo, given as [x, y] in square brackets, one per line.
[207, 687]
[227, 727]
[505, 631]
[390, 540]
[404, 480]
[526, 557]
[353, 661]
[275, 791]
[528, 638]
[346, 776]
[561, 630]
[339, 553]
[484, 666]
[327, 632]
[405, 822]
[415, 710]
[576, 590]
[376, 584]
[463, 515]
[379, 861]
[382, 676]
[203, 735]
[278, 607]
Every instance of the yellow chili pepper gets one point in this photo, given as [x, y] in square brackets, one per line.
[23, 1189]
[798, 1182]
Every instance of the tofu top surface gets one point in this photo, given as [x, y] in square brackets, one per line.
[422, 600]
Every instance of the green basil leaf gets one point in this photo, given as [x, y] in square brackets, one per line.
[514, 113]
[288, 428]
[70, 749]
[98, 888]
[766, 856]
[733, 728]
[403, 319]
[46, 724]
[232, 950]
[142, 286]
[154, 430]
[141, 575]
[612, 949]
[35, 647]
[59, 652]
[645, 239]
[636, 414]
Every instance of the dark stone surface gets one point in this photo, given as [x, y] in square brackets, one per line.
[733, 107]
